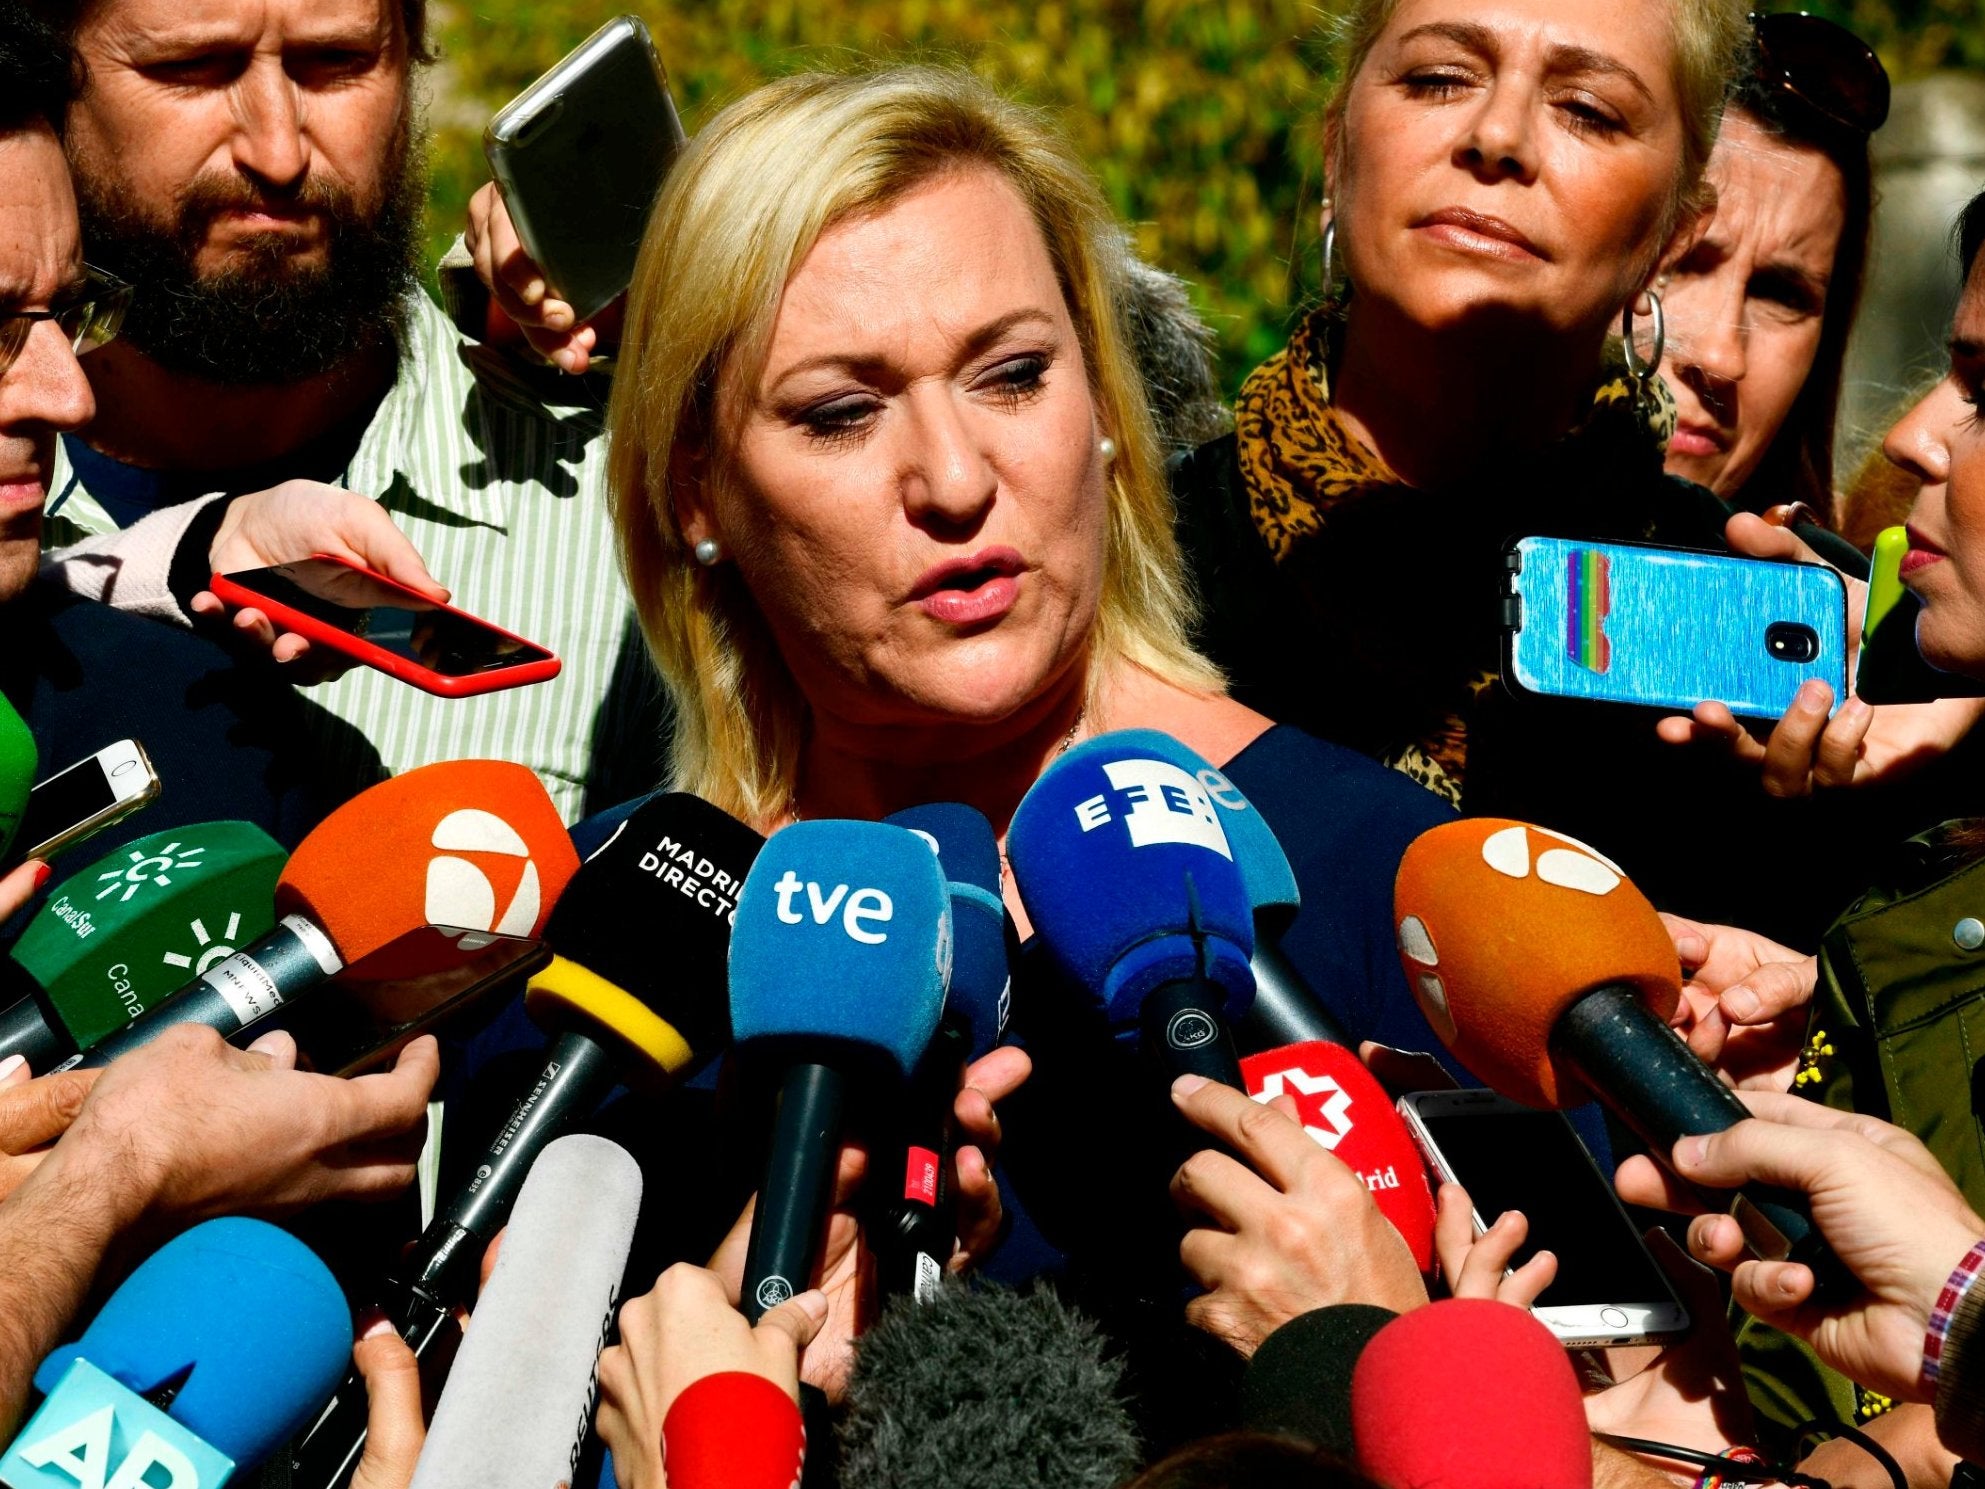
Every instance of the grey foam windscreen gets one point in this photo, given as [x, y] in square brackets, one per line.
[516, 1407]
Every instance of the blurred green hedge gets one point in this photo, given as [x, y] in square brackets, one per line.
[1198, 115]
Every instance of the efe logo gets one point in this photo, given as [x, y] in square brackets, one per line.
[1160, 803]
[461, 892]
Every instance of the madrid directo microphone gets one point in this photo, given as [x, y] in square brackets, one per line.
[19, 760]
[1550, 976]
[469, 848]
[117, 938]
[217, 1348]
[839, 962]
[1165, 951]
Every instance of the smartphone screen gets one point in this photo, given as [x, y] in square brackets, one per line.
[441, 640]
[61, 801]
[1534, 1162]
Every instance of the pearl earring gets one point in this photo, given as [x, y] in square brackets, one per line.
[1107, 448]
[708, 552]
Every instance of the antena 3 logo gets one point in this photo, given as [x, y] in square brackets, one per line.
[461, 892]
[1159, 803]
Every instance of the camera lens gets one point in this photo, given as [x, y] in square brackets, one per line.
[1789, 641]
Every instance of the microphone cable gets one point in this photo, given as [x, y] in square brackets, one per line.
[1733, 1471]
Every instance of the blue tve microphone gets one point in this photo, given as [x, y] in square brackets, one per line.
[1286, 1009]
[917, 1216]
[840, 956]
[1124, 866]
[213, 1352]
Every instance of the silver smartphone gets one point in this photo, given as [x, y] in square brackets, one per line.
[579, 157]
[81, 801]
[1609, 1289]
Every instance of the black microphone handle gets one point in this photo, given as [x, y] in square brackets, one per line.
[1185, 1031]
[328, 1453]
[798, 1186]
[914, 1235]
[1640, 1069]
[26, 1029]
[1286, 1010]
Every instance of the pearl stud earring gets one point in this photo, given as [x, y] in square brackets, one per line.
[1107, 448]
[708, 552]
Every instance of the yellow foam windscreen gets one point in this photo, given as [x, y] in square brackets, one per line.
[563, 990]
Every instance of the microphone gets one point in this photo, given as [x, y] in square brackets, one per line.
[1342, 1105]
[19, 761]
[1299, 1382]
[916, 1228]
[219, 1346]
[1469, 1394]
[1165, 950]
[616, 1010]
[472, 848]
[1550, 976]
[839, 962]
[123, 934]
[520, 1398]
[986, 1386]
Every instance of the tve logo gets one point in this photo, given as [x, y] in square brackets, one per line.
[461, 892]
[1159, 803]
[861, 911]
[93, 1433]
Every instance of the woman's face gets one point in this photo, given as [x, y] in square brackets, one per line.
[912, 489]
[1942, 443]
[1746, 305]
[1510, 159]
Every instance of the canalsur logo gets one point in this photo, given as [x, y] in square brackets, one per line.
[206, 948]
[462, 892]
[149, 868]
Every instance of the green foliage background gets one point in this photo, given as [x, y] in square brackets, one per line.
[1198, 115]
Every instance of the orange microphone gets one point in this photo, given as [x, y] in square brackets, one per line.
[412, 876]
[1551, 977]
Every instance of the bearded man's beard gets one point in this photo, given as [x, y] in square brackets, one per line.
[265, 318]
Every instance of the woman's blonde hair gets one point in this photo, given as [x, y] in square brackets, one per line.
[742, 207]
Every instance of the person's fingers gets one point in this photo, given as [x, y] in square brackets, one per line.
[1691, 938]
[1786, 1110]
[489, 1255]
[1771, 1289]
[1753, 536]
[1526, 1284]
[1676, 729]
[976, 1118]
[1788, 753]
[999, 1072]
[42, 1110]
[22, 883]
[1482, 1270]
[255, 626]
[290, 647]
[14, 1072]
[1454, 1229]
[1222, 1189]
[980, 1210]
[375, 540]
[392, 1100]
[278, 1046]
[1717, 1240]
[1839, 754]
[1641, 1181]
[394, 1433]
[1206, 1254]
[1767, 994]
[851, 1167]
[1770, 1152]
[206, 604]
[1707, 1034]
[799, 1318]
[1277, 1148]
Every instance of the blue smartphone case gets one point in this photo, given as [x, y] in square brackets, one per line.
[1669, 628]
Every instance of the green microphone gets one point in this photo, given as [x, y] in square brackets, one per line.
[19, 761]
[130, 930]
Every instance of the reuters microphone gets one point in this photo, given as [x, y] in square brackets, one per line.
[216, 1349]
[838, 968]
[461, 851]
[1551, 977]
[19, 760]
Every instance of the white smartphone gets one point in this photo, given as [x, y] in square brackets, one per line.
[1609, 1289]
[78, 802]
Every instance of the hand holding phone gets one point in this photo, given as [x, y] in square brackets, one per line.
[75, 804]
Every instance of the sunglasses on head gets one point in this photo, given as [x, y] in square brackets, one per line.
[1826, 67]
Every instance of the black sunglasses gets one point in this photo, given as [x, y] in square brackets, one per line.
[1826, 67]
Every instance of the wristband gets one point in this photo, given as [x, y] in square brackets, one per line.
[733, 1430]
[1711, 1479]
[1963, 1275]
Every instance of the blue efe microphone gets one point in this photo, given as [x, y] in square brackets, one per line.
[1127, 873]
[839, 960]
[235, 1326]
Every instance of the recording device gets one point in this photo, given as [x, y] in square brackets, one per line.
[520, 1398]
[1608, 1289]
[469, 848]
[1469, 1393]
[19, 762]
[839, 962]
[217, 1348]
[338, 604]
[1165, 954]
[1299, 1382]
[1550, 977]
[580, 156]
[1669, 628]
[90, 795]
[116, 939]
[1891, 669]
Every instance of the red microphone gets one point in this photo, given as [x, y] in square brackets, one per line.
[1469, 1394]
[1342, 1105]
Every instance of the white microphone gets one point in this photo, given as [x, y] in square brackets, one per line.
[521, 1394]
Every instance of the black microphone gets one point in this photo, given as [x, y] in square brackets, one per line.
[1299, 1382]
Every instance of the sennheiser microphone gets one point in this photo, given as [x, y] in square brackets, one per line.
[19, 760]
[839, 962]
[1164, 947]
[916, 1226]
[472, 848]
[125, 933]
[1550, 976]
[1298, 1384]
[217, 1348]
[520, 1398]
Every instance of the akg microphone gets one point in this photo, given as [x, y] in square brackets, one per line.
[1469, 1393]
[1550, 976]
[1126, 872]
[839, 962]
[216, 1349]
[520, 1398]
[472, 848]
[915, 1228]
[637, 991]
[1299, 1382]
[125, 933]
[19, 760]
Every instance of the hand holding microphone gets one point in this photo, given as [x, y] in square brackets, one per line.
[34, 1112]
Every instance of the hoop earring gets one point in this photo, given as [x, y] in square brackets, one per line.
[1638, 370]
[708, 552]
[1329, 252]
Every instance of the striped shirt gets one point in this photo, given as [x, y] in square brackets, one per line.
[504, 496]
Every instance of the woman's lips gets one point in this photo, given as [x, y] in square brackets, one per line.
[973, 590]
[1476, 232]
[1922, 553]
[1696, 439]
[22, 494]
